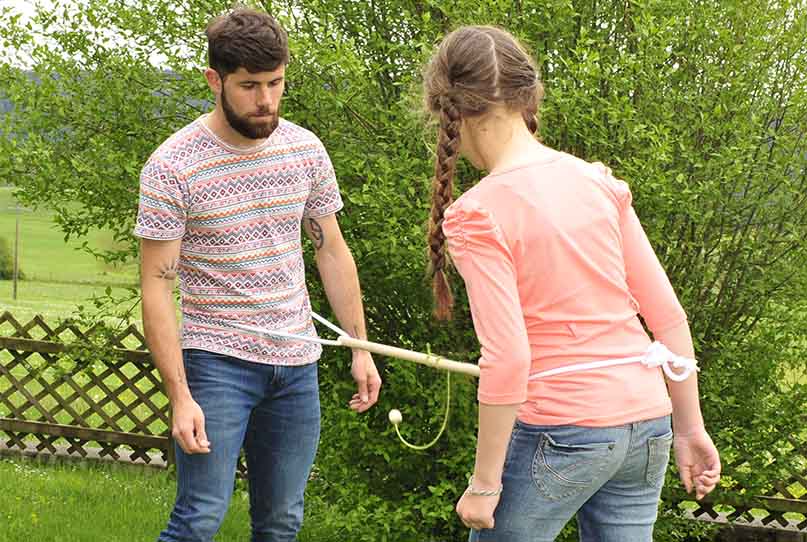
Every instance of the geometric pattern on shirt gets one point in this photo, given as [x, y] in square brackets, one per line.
[239, 213]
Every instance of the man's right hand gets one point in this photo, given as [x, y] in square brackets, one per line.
[188, 426]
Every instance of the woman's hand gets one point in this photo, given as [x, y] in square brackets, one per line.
[698, 461]
[476, 511]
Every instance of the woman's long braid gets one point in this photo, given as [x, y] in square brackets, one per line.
[529, 93]
[529, 98]
[531, 119]
[442, 195]
[475, 69]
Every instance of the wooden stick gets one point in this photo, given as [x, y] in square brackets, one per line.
[435, 362]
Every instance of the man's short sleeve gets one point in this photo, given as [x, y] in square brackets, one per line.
[162, 211]
[324, 198]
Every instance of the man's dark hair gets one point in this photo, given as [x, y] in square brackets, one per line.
[246, 38]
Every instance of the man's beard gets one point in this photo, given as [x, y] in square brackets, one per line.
[244, 126]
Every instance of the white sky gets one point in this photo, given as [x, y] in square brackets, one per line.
[27, 8]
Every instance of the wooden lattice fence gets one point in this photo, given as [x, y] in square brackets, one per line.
[111, 409]
[116, 409]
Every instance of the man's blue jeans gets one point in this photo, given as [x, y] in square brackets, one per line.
[273, 412]
[611, 477]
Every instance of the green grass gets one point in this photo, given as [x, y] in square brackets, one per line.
[79, 502]
[88, 502]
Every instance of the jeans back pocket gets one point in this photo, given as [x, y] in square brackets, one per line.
[658, 455]
[563, 470]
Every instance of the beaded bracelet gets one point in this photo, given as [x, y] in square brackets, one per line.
[471, 490]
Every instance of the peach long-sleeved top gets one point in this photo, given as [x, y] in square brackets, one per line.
[557, 267]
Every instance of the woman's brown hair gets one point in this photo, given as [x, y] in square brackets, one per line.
[474, 68]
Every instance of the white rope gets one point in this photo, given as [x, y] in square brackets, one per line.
[326, 323]
[284, 334]
[395, 416]
[287, 335]
[656, 355]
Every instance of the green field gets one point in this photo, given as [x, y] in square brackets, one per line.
[45, 257]
[58, 275]
[58, 279]
[53, 300]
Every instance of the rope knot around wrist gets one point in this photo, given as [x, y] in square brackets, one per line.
[471, 490]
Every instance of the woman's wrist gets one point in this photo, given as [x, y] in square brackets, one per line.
[688, 430]
[485, 479]
[483, 490]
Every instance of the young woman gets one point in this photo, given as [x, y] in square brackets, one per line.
[575, 416]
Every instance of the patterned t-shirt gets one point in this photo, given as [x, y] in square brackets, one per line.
[238, 212]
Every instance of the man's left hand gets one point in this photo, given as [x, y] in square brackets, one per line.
[367, 380]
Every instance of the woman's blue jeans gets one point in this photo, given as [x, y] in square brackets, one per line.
[273, 412]
[611, 477]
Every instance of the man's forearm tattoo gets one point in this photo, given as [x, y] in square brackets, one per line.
[316, 233]
[168, 271]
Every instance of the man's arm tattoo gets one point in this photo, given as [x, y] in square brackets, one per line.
[317, 234]
[169, 271]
